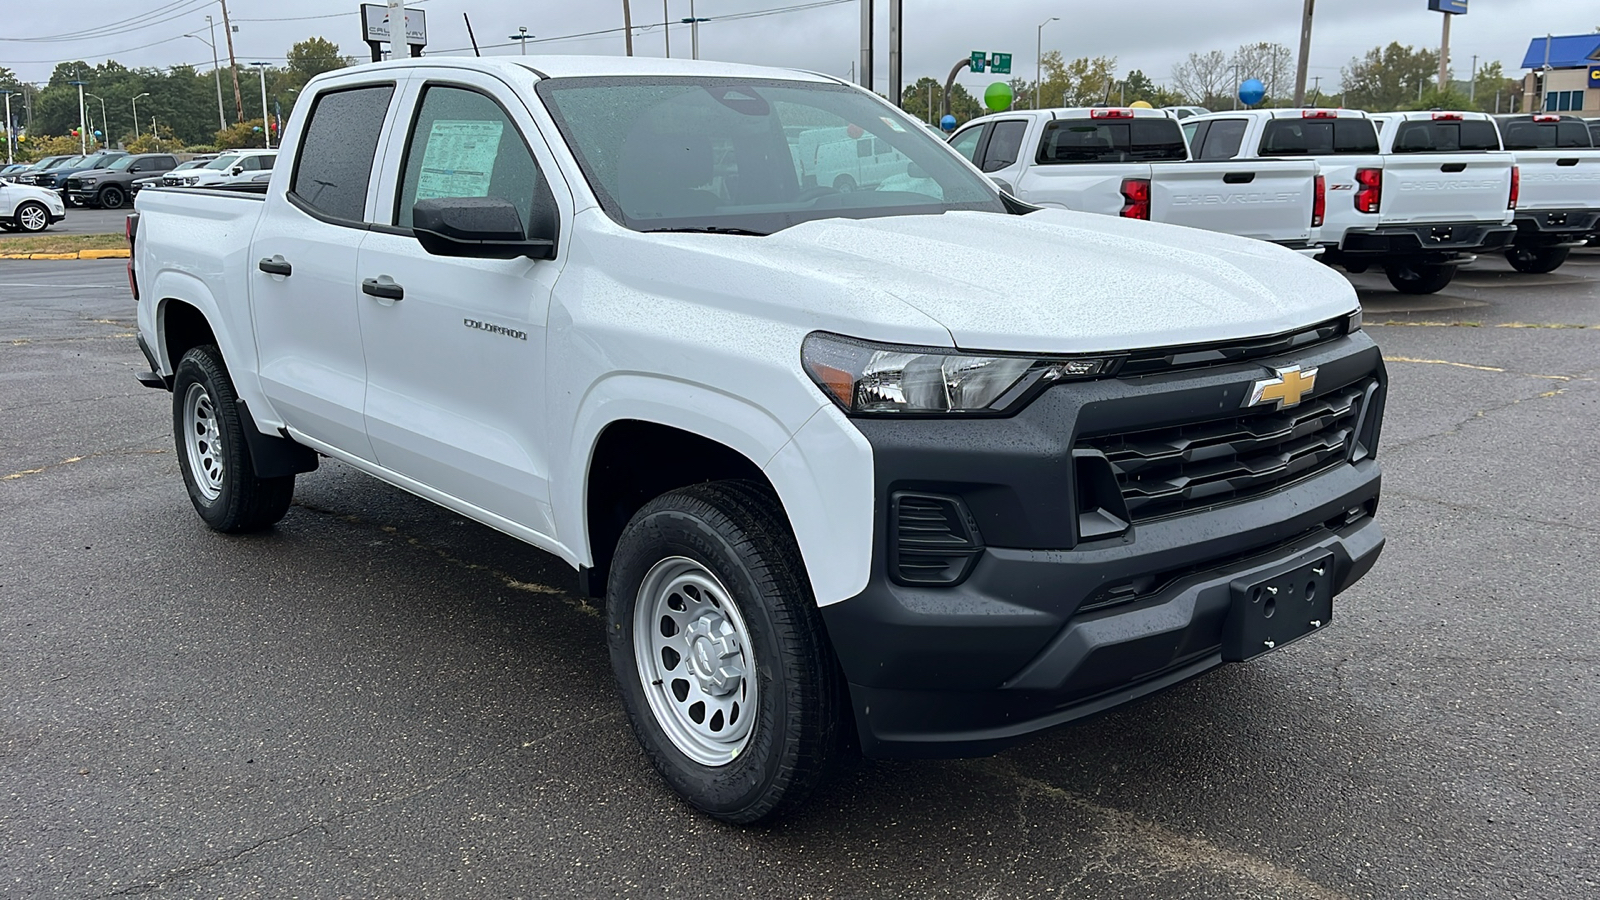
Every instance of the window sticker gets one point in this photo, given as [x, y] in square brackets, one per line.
[459, 161]
[893, 124]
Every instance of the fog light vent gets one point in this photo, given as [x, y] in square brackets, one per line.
[933, 539]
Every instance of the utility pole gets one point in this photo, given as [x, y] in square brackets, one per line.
[627, 27]
[1305, 55]
[233, 62]
[11, 138]
[266, 124]
[895, 88]
[694, 31]
[1472, 86]
[1316, 90]
[1444, 56]
[866, 44]
[83, 120]
[1237, 83]
[666, 27]
[136, 126]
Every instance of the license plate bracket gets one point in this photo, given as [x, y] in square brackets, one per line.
[1274, 608]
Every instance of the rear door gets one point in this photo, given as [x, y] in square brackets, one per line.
[302, 268]
[456, 363]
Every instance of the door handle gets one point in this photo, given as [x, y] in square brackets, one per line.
[1238, 178]
[384, 289]
[1566, 162]
[277, 265]
[1453, 167]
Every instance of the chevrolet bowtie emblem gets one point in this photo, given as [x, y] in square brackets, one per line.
[1286, 390]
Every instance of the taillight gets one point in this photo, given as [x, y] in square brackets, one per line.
[1318, 114]
[1448, 117]
[1319, 203]
[1516, 187]
[131, 228]
[1369, 193]
[1547, 118]
[1110, 113]
[1136, 194]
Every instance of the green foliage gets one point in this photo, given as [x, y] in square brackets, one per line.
[243, 134]
[914, 100]
[1390, 78]
[146, 142]
[1450, 98]
[40, 146]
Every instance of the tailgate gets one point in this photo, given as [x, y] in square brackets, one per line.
[1081, 187]
[1559, 179]
[1266, 199]
[1446, 187]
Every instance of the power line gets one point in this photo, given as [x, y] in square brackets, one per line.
[143, 20]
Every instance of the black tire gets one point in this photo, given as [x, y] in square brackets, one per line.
[844, 184]
[111, 197]
[736, 531]
[226, 491]
[1419, 278]
[1537, 260]
[31, 217]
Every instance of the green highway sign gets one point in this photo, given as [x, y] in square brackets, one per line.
[1000, 63]
[979, 60]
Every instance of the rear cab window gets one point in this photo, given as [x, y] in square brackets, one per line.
[1067, 141]
[1319, 137]
[1423, 136]
[1526, 134]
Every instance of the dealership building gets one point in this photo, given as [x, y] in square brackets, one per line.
[1570, 66]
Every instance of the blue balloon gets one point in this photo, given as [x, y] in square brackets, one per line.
[98, 134]
[1252, 92]
[948, 123]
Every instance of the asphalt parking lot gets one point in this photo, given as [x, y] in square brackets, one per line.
[378, 698]
[82, 220]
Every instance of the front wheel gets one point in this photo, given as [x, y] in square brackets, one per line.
[719, 651]
[1537, 261]
[32, 217]
[212, 453]
[1420, 278]
[112, 197]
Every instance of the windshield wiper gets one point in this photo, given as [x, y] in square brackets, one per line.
[707, 229]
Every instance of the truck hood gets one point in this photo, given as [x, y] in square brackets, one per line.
[93, 173]
[1062, 282]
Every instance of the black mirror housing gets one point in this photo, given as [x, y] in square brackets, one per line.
[476, 227]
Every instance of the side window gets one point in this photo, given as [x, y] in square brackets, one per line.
[1223, 139]
[966, 143]
[337, 153]
[463, 144]
[1194, 134]
[264, 163]
[864, 148]
[1005, 145]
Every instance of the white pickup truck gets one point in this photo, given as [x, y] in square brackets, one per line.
[924, 470]
[1559, 204]
[1418, 215]
[1134, 163]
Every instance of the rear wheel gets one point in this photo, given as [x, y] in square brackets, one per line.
[32, 217]
[844, 184]
[1419, 278]
[208, 425]
[1537, 260]
[719, 651]
[112, 197]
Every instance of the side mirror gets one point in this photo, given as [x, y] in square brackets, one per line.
[479, 228]
[236, 169]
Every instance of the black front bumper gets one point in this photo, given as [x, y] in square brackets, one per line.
[1435, 241]
[1047, 626]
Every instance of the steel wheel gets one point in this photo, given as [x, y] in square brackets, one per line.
[33, 217]
[695, 661]
[202, 441]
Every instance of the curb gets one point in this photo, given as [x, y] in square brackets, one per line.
[76, 254]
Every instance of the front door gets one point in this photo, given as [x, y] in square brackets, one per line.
[455, 346]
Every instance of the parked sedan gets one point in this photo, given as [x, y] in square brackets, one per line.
[27, 208]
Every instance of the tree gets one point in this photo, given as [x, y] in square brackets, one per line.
[1204, 79]
[1493, 90]
[162, 139]
[315, 55]
[243, 134]
[1272, 64]
[1389, 78]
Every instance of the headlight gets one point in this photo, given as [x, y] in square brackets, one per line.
[887, 379]
[87, 182]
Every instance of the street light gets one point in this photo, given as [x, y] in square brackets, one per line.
[1038, 57]
[266, 127]
[83, 119]
[523, 36]
[10, 142]
[694, 31]
[216, 68]
[136, 113]
[103, 123]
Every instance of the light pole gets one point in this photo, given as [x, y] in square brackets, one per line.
[694, 31]
[10, 141]
[136, 113]
[1038, 59]
[522, 36]
[266, 126]
[666, 28]
[216, 69]
[103, 123]
[83, 120]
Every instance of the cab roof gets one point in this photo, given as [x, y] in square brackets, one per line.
[554, 66]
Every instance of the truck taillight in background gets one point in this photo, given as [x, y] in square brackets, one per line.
[131, 229]
[1369, 190]
[1136, 197]
[1319, 203]
[1319, 114]
[1110, 113]
[1516, 187]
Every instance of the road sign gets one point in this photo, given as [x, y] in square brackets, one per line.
[979, 60]
[1000, 63]
[1452, 7]
[375, 25]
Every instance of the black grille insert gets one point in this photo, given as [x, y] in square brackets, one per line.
[1186, 468]
[1147, 362]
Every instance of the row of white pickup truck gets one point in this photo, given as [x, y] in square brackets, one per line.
[1417, 193]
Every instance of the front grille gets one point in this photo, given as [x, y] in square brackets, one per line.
[74, 184]
[1149, 362]
[1186, 468]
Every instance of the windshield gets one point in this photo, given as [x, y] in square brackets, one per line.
[96, 162]
[752, 155]
[222, 162]
[1101, 141]
[65, 161]
[1319, 137]
[191, 164]
[120, 163]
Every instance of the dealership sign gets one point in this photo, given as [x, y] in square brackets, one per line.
[1453, 7]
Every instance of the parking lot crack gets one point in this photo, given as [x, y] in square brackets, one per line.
[197, 867]
[1467, 420]
[74, 460]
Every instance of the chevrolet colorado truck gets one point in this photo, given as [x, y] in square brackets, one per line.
[920, 469]
[1559, 204]
[1419, 215]
[1134, 163]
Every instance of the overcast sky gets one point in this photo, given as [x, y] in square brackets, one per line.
[1149, 35]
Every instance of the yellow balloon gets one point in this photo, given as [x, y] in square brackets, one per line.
[1140, 104]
